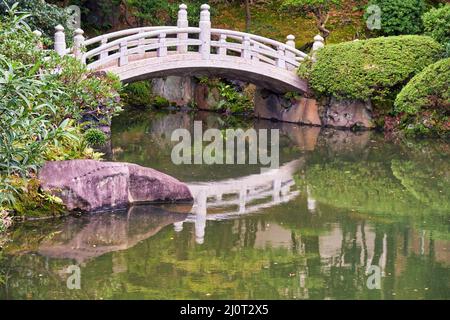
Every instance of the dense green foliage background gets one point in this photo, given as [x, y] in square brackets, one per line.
[437, 25]
[400, 16]
[46, 102]
[43, 16]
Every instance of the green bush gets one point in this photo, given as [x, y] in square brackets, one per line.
[371, 69]
[43, 16]
[426, 100]
[43, 101]
[95, 137]
[436, 24]
[400, 16]
[138, 93]
[232, 99]
[86, 96]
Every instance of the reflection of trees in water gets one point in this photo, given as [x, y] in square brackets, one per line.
[287, 253]
[387, 183]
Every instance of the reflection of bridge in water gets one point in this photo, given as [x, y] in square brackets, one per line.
[230, 198]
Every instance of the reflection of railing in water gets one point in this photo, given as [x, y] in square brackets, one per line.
[249, 194]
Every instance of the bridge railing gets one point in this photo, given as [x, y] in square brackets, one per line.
[159, 42]
[120, 47]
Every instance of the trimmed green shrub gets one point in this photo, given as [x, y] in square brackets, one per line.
[436, 24]
[400, 16]
[426, 100]
[371, 69]
[95, 137]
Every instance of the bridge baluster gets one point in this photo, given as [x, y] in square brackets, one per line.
[318, 43]
[39, 44]
[78, 43]
[162, 49]
[205, 31]
[104, 54]
[178, 226]
[290, 42]
[123, 59]
[60, 40]
[276, 190]
[182, 23]
[255, 53]
[200, 219]
[281, 61]
[242, 199]
[223, 43]
[246, 53]
[141, 43]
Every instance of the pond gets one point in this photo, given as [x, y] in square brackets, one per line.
[344, 203]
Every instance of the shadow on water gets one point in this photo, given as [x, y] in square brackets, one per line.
[339, 203]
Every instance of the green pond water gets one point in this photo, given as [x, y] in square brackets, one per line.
[343, 202]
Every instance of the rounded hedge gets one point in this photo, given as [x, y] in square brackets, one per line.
[428, 89]
[371, 69]
[400, 16]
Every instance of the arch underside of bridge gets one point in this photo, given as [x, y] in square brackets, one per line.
[141, 67]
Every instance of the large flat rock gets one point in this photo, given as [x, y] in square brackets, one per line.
[89, 185]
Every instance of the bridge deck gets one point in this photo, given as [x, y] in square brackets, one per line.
[148, 65]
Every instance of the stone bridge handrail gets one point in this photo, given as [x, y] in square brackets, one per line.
[121, 33]
[165, 49]
[238, 35]
[164, 31]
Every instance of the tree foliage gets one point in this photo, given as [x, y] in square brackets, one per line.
[400, 16]
[436, 24]
[43, 16]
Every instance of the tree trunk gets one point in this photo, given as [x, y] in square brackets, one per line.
[248, 16]
[321, 21]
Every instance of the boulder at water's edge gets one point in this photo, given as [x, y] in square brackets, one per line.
[89, 185]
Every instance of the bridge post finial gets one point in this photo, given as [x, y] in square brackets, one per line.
[60, 40]
[182, 22]
[38, 35]
[318, 44]
[205, 31]
[78, 43]
[290, 43]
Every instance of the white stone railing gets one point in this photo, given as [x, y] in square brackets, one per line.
[156, 42]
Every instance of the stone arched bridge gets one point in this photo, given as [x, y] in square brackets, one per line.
[149, 52]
